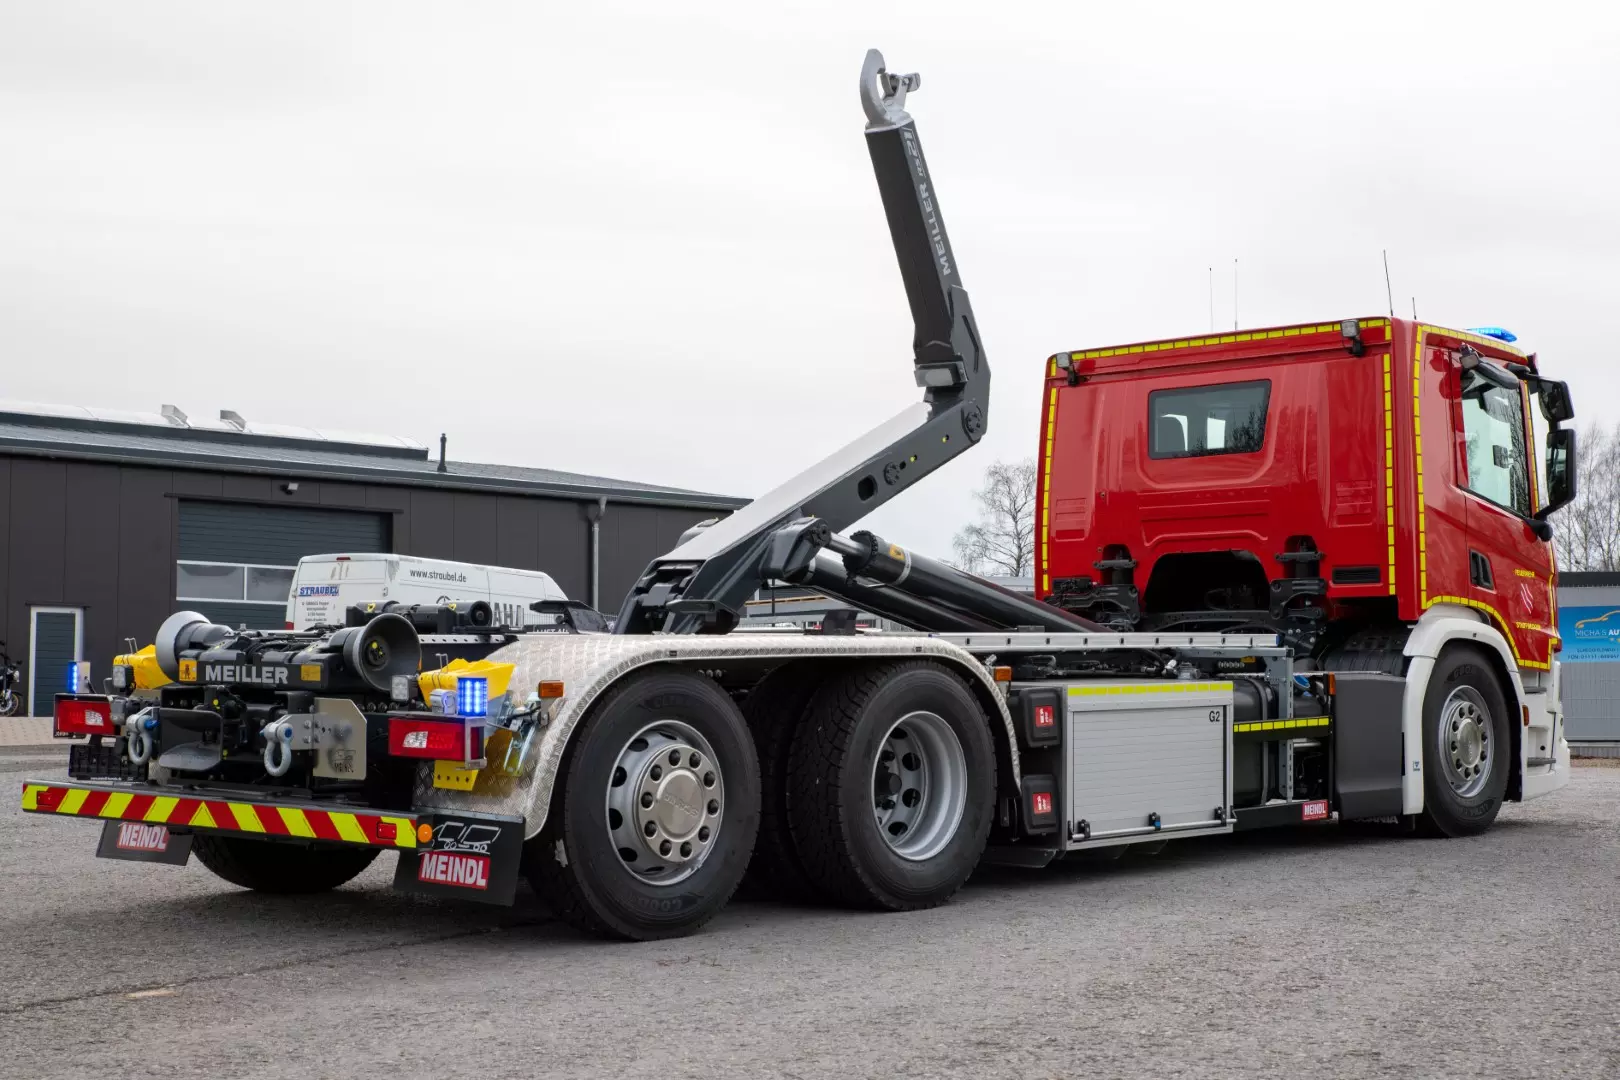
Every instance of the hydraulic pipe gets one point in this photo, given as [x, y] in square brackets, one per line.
[875, 559]
[827, 574]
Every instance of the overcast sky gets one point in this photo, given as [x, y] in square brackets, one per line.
[631, 240]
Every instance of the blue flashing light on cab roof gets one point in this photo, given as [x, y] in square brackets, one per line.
[1494, 332]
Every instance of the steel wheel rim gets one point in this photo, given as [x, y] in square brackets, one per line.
[919, 786]
[665, 796]
[1464, 741]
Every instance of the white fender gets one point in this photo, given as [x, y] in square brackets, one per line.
[1439, 626]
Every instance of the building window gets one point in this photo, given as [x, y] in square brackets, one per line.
[236, 582]
[1205, 420]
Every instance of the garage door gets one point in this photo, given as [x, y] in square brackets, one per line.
[236, 561]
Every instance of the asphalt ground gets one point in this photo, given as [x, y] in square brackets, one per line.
[1317, 952]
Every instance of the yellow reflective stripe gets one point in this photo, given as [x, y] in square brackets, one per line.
[349, 828]
[202, 818]
[1389, 462]
[1150, 688]
[116, 804]
[296, 822]
[1282, 725]
[73, 801]
[31, 796]
[404, 831]
[161, 808]
[1225, 339]
[246, 819]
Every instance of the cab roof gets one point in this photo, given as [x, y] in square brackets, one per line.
[1264, 341]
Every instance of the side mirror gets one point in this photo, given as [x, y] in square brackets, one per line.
[1561, 479]
[1556, 406]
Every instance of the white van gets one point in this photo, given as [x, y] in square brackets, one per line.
[325, 586]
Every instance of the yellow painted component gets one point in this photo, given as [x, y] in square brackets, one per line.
[161, 808]
[1417, 460]
[1389, 465]
[1520, 572]
[447, 677]
[72, 801]
[453, 776]
[202, 818]
[116, 804]
[1282, 725]
[246, 819]
[1149, 688]
[188, 671]
[148, 676]
[349, 828]
[31, 796]
[295, 820]
[404, 831]
[309, 672]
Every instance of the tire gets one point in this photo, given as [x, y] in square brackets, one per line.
[1465, 696]
[774, 713]
[833, 808]
[575, 863]
[10, 704]
[270, 866]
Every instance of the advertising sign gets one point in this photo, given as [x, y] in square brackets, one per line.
[1589, 633]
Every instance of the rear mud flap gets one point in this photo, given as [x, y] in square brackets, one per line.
[140, 841]
[463, 856]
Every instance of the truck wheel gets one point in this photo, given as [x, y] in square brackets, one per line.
[655, 812]
[774, 712]
[892, 786]
[1465, 745]
[275, 867]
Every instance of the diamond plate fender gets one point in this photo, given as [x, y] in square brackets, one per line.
[589, 664]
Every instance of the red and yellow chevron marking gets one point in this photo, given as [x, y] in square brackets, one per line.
[226, 816]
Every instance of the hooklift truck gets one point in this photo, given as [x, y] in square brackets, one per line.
[1285, 576]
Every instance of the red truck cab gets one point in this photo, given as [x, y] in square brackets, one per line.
[1320, 481]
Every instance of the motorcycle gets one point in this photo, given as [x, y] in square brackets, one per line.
[10, 678]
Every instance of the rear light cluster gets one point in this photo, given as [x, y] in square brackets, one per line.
[84, 716]
[437, 740]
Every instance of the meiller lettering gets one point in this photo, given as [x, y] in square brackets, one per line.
[133, 836]
[930, 216]
[444, 868]
[262, 674]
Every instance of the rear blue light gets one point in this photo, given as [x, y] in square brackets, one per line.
[472, 695]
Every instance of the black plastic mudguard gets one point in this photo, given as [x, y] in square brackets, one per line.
[1368, 752]
[466, 856]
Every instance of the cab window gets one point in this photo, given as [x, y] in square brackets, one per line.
[1496, 462]
[1203, 420]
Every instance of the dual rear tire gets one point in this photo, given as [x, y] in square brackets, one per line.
[878, 790]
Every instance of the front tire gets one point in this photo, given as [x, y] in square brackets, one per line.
[10, 703]
[655, 812]
[1466, 745]
[892, 786]
[287, 869]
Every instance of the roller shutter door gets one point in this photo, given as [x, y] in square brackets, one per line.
[236, 560]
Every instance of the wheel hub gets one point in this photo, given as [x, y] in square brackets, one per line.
[664, 800]
[919, 786]
[1464, 737]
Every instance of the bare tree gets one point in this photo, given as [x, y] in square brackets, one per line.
[1586, 533]
[1002, 541]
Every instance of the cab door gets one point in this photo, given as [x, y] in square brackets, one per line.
[1510, 569]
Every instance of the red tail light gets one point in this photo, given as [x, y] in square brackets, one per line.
[84, 716]
[288, 626]
[433, 739]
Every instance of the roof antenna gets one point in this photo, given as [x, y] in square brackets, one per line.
[1414, 309]
[441, 452]
[1388, 291]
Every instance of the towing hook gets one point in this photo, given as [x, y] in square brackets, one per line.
[883, 96]
[139, 736]
[278, 758]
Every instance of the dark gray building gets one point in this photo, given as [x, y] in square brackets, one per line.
[109, 521]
